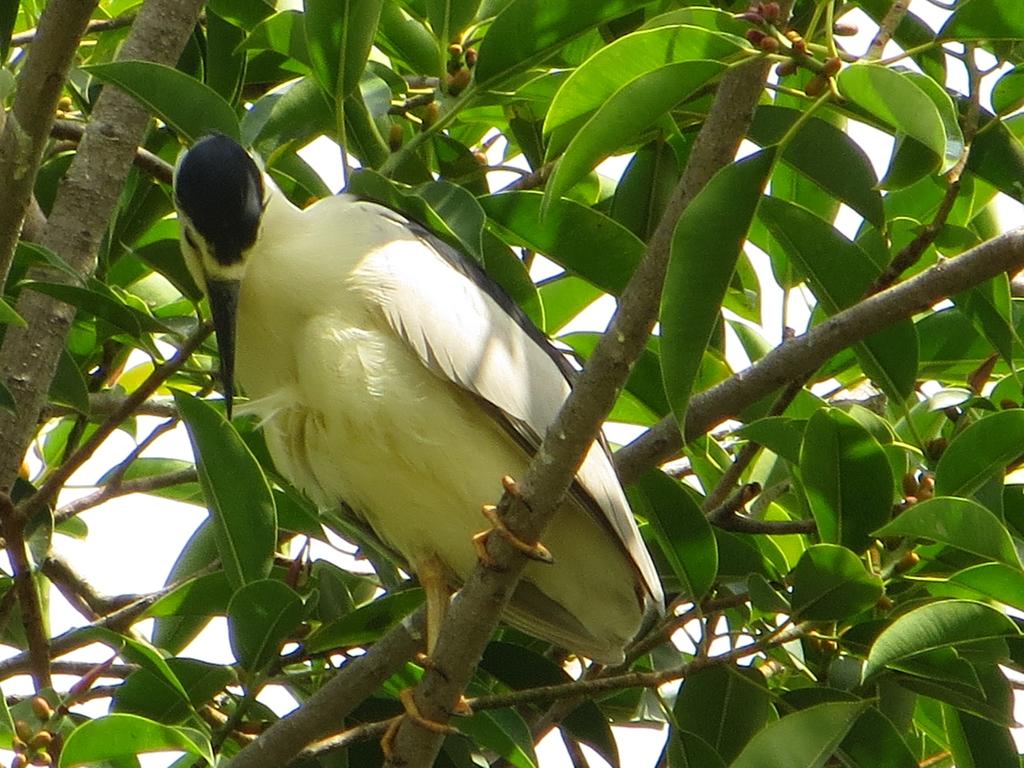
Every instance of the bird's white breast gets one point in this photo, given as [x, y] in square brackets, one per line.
[351, 413]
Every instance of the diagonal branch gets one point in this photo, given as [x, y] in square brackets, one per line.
[809, 351]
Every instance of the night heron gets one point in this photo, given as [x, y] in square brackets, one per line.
[389, 372]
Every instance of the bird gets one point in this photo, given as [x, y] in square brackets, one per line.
[390, 373]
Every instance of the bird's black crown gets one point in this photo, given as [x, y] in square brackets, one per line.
[220, 189]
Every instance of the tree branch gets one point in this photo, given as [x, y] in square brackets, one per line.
[811, 350]
[145, 161]
[13, 526]
[40, 82]
[138, 485]
[93, 27]
[81, 212]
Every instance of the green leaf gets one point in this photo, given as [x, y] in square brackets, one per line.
[826, 155]
[645, 188]
[145, 694]
[405, 39]
[339, 34]
[935, 626]
[984, 20]
[122, 737]
[982, 450]
[681, 530]
[779, 434]
[830, 583]
[192, 108]
[629, 110]
[365, 624]
[839, 272]
[528, 31]
[725, 706]
[261, 616]
[504, 731]
[10, 316]
[628, 59]
[574, 236]
[705, 247]
[688, 750]
[959, 523]
[68, 386]
[236, 491]
[997, 156]
[99, 303]
[1008, 92]
[979, 743]
[895, 99]
[1000, 582]
[804, 739]
[846, 477]
[284, 32]
[225, 64]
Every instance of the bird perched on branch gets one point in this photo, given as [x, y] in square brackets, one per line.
[391, 373]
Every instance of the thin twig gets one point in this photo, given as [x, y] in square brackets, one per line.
[146, 161]
[137, 485]
[93, 27]
[888, 25]
[13, 523]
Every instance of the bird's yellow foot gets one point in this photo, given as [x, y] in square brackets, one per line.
[535, 551]
[387, 742]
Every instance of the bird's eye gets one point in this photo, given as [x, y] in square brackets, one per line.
[191, 240]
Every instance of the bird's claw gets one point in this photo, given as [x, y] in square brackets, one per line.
[535, 551]
[412, 712]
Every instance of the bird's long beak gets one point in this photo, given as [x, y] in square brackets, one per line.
[224, 306]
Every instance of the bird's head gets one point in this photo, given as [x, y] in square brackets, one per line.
[220, 197]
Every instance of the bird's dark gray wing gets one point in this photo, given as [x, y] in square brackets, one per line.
[466, 329]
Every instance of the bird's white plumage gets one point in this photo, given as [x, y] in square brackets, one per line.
[383, 376]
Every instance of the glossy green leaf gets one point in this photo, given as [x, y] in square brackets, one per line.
[705, 247]
[120, 737]
[688, 750]
[99, 303]
[681, 530]
[826, 155]
[68, 386]
[147, 695]
[406, 39]
[365, 624]
[804, 739]
[504, 731]
[1008, 92]
[979, 743]
[578, 238]
[725, 706]
[645, 188]
[779, 434]
[831, 583]
[960, 523]
[225, 65]
[997, 156]
[236, 491]
[192, 108]
[846, 477]
[261, 616]
[339, 34]
[292, 114]
[873, 740]
[944, 624]
[528, 31]
[982, 450]
[284, 32]
[10, 316]
[985, 20]
[989, 307]
[1002, 583]
[895, 99]
[626, 112]
[628, 59]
